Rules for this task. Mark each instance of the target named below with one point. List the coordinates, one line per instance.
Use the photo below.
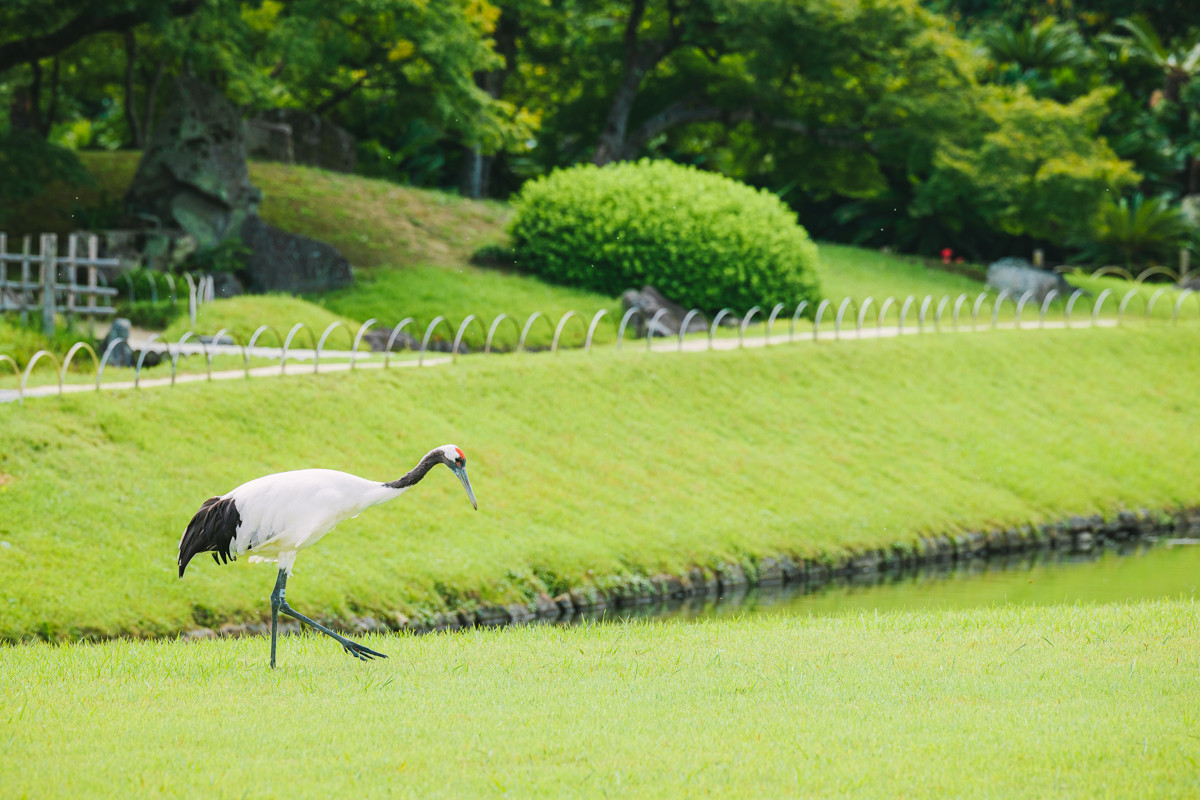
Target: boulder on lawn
(193, 174)
(649, 301)
(1019, 276)
(287, 262)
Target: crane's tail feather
(213, 529)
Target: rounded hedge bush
(703, 240)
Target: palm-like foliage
(1138, 231)
(1045, 46)
(1142, 42)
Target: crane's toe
(361, 652)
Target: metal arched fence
(1005, 310)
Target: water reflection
(1134, 572)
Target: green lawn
(590, 469)
(1060, 701)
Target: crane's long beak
(461, 474)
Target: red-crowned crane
(276, 516)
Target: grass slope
(1089, 701)
(587, 468)
(372, 222)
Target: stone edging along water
(1076, 535)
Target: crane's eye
(462, 462)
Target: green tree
(1026, 167)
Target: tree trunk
(472, 181)
(611, 146)
(131, 117)
(52, 112)
(640, 58)
(35, 97)
(151, 95)
(475, 178)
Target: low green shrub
(150, 314)
(703, 240)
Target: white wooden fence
(47, 282)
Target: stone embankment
(1077, 535)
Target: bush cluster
(703, 240)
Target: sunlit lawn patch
(1083, 701)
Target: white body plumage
(286, 512)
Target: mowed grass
(596, 469)
(1060, 701)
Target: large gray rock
(193, 174)
(122, 353)
(286, 262)
(294, 136)
(269, 141)
(649, 301)
(1018, 276)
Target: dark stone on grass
(287, 262)
(649, 301)
(122, 354)
(1019, 276)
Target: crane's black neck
(414, 475)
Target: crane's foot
(360, 651)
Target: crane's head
(452, 457)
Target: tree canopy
(917, 125)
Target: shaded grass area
(599, 469)
(1086, 701)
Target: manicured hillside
(589, 469)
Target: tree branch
(35, 48)
(340, 95)
(688, 110)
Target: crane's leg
(279, 603)
(276, 603)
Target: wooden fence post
(70, 284)
(93, 253)
(26, 297)
(1185, 261)
(49, 272)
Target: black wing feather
(213, 529)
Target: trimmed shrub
(703, 240)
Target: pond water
(1140, 572)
